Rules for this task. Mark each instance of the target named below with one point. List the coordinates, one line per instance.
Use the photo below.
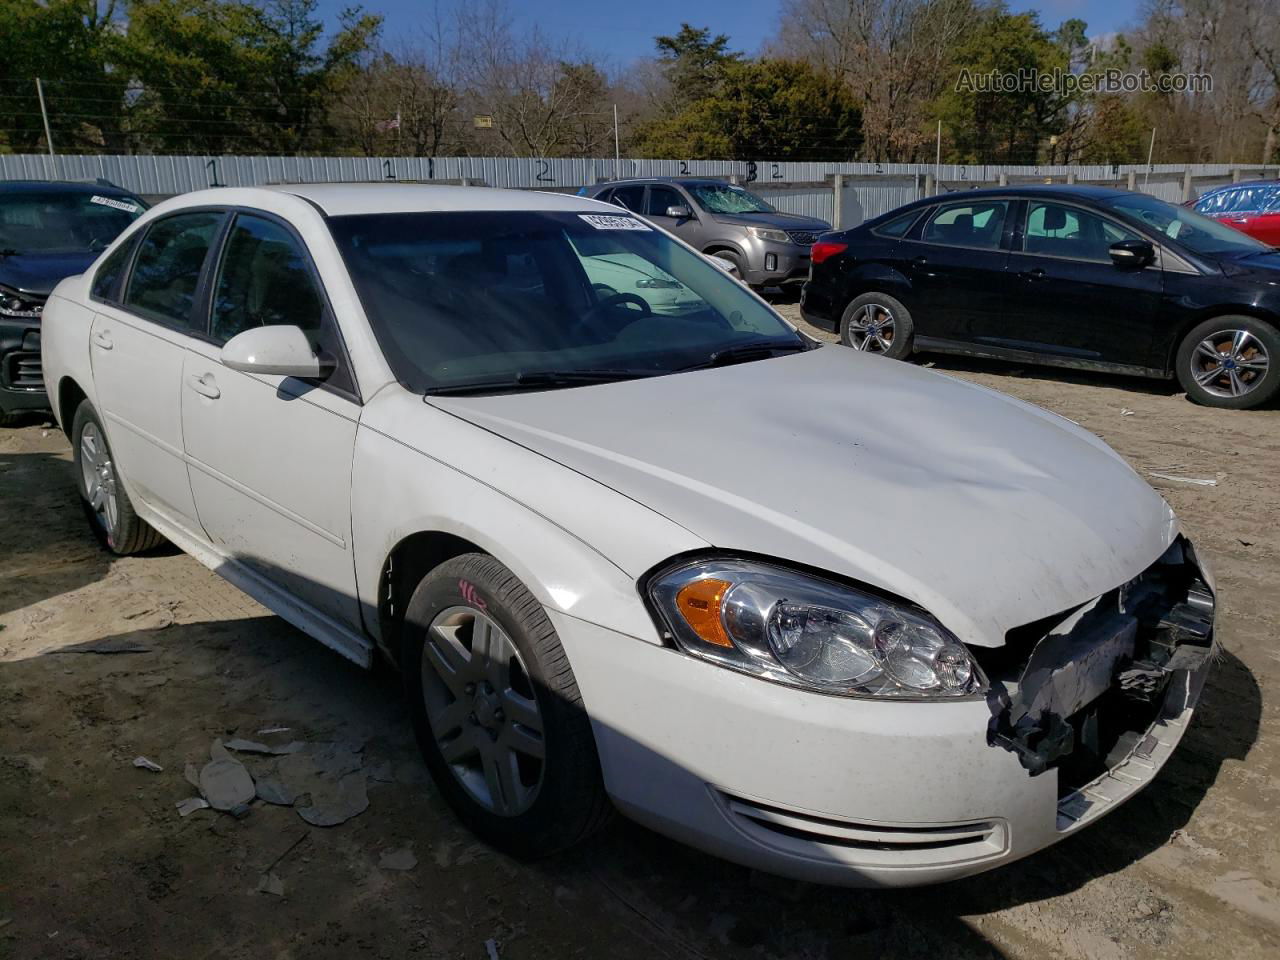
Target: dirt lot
(95, 861)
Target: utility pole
(937, 162)
(1151, 152)
(617, 151)
(48, 137)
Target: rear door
(956, 263)
(1068, 298)
(137, 348)
(270, 456)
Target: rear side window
(632, 198)
(167, 269)
(898, 226)
(968, 224)
(106, 282)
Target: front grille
(23, 371)
(803, 237)
(881, 844)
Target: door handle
(920, 261)
(1035, 273)
(205, 386)
(102, 339)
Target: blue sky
(621, 30)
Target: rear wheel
(106, 505)
(497, 711)
(1231, 362)
(878, 323)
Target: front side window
(728, 199)
(457, 299)
(64, 221)
(660, 198)
(265, 278)
(1195, 231)
(1057, 230)
(968, 224)
(167, 268)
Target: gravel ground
(95, 861)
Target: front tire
(106, 505)
(1231, 362)
(878, 323)
(497, 711)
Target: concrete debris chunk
(1198, 481)
(252, 746)
(383, 773)
(491, 949)
(265, 731)
(402, 859)
(335, 760)
(333, 803)
(271, 790)
(191, 774)
(270, 883)
(142, 763)
(226, 784)
(219, 752)
(191, 805)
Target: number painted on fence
(684, 168)
(543, 169)
(387, 172)
(212, 167)
(751, 171)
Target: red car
(1252, 208)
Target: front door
(270, 457)
(1069, 299)
(662, 198)
(957, 270)
(136, 348)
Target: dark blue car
(48, 231)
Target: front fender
(578, 546)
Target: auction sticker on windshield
(118, 204)
(602, 222)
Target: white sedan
(831, 617)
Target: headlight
(15, 304)
(764, 233)
(797, 629)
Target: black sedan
(48, 231)
(1074, 276)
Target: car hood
(1263, 265)
(40, 273)
(986, 511)
(784, 221)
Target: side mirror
(281, 351)
(1132, 254)
(679, 212)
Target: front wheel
(497, 711)
(878, 323)
(106, 504)
(1226, 362)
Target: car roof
(1242, 183)
(682, 181)
(343, 199)
(63, 186)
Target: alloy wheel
(99, 477)
(483, 711)
(1230, 363)
(872, 328)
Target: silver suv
(766, 247)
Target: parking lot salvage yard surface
(103, 660)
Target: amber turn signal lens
(699, 603)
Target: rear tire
(878, 323)
(106, 505)
(489, 688)
(1231, 362)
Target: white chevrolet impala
(821, 614)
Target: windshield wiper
(536, 379)
(743, 352)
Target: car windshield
(726, 198)
(63, 221)
(470, 299)
(1194, 231)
